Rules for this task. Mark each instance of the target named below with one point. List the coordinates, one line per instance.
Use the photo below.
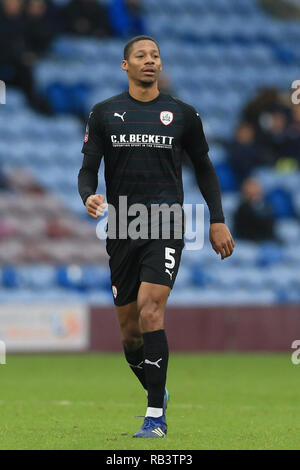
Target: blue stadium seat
(270, 254)
(226, 177)
(15, 98)
(83, 278)
(37, 277)
(98, 297)
(200, 277)
(281, 202)
(288, 230)
(217, 54)
(9, 277)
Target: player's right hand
(95, 205)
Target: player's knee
(151, 314)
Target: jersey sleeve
(93, 149)
(94, 135)
(194, 141)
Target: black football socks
(156, 355)
(135, 359)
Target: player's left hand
(221, 239)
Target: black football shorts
(133, 261)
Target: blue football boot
(153, 428)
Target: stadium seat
(281, 202)
(288, 231)
(217, 54)
(226, 177)
(270, 254)
(83, 278)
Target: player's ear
(124, 65)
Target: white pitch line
(81, 403)
(92, 403)
(174, 405)
(134, 405)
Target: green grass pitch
(218, 401)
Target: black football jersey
(142, 144)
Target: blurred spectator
(254, 219)
(293, 133)
(245, 153)
(275, 130)
(257, 111)
(87, 18)
(126, 17)
(3, 182)
(276, 134)
(17, 58)
(13, 62)
(282, 8)
(40, 27)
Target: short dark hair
(130, 43)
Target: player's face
(144, 63)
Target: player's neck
(143, 94)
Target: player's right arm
(92, 148)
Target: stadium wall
(252, 328)
(81, 328)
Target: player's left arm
(197, 148)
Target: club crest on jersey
(166, 117)
(114, 291)
(86, 137)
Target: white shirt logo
(120, 115)
(166, 117)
